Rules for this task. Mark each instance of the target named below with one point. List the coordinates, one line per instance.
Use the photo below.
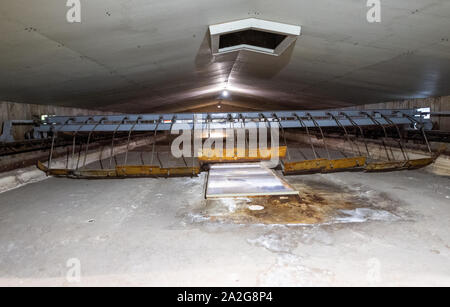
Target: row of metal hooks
(388, 150)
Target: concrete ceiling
(149, 56)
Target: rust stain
(314, 205)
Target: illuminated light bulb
(225, 94)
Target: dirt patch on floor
(318, 202)
(308, 209)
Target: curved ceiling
(148, 56)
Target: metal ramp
(245, 180)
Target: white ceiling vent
(254, 35)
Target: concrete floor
(155, 232)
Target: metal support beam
(285, 119)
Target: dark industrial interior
(239, 143)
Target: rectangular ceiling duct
(252, 34)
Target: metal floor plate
(245, 179)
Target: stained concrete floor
(160, 232)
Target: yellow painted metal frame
(238, 155)
(418, 163)
(402, 165)
(94, 173)
(385, 166)
(398, 165)
(306, 166)
(155, 171)
(356, 163)
(323, 165)
(327, 166)
(345, 163)
(53, 171)
(123, 171)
